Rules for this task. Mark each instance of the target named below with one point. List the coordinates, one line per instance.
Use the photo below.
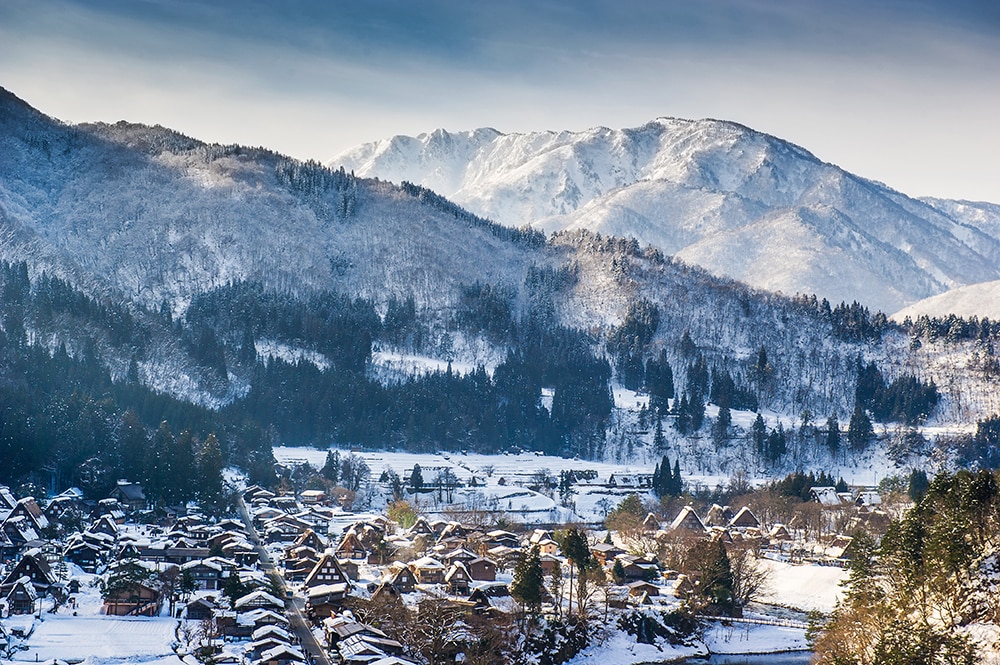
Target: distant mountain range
(738, 202)
(143, 217)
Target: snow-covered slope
(741, 203)
(981, 300)
(156, 215)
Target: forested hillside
(225, 290)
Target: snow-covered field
(94, 638)
(500, 481)
(803, 587)
(102, 640)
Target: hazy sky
(906, 92)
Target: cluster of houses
(210, 570)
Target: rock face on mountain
(738, 202)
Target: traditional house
(339, 627)
(868, 498)
(500, 537)
(399, 576)
(639, 569)
(309, 538)
(21, 597)
(27, 507)
(744, 519)
(482, 569)
(492, 599)
(719, 515)
(262, 616)
(208, 574)
(457, 578)
(421, 528)
(258, 647)
(688, 522)
(651, 523)
(130, 495)
(779, 533)
(136, 599)
(105, 524)
(83, 553)
(327, 571)
(19, 531)
(641, 587)
(605, 553)
(281, 655)
(312, 497)
(35, 567)
(350, 547)
(459, 554)
(200, 609)
(826, 496)
(549, 563)
(428, 570)
(7, 500)
(259, 600)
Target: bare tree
(750, 577)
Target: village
(295, 577)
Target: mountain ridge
(696, 189)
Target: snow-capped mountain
(736, 201)
(143, 215)
(158, 216)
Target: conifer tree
(859, 431)
(759, 433)
(416, 478)
(683, 420)
(832, 433)
(526, 588)
(720, 428)
(331, 467)
(209, 484)
(676, 484)
(659, 441)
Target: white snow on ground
(747, 638)
(738, 638)
(500, 480)
(803, 587)
(413, 364)
(622, 649)
(102, 639)
(290, 354)
(94, 638)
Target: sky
(906, 92)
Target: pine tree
(416, 478)
(776, 443)
(683, 420)
(832, 433)
(618, 572)
(759, 433)
(526, 588)
(676, 483)
(209, 484)
(720, 428)
(659, 441)
(331, 467)
(859, 431)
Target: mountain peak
(740, 202)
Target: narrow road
(294, 605)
